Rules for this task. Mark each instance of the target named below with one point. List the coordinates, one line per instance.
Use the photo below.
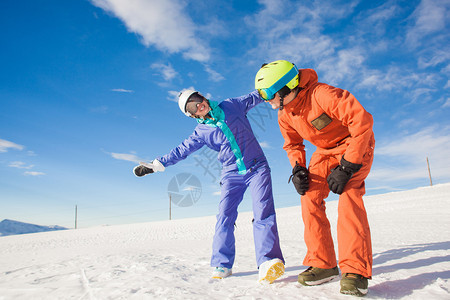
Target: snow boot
(354, 284)
(315, 276)
(221, 272)
(270, 270)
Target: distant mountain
(11, 227)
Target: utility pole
(429, 172)
(170, 207)
(76, 216)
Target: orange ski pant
(353, 232)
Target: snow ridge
(11, 227)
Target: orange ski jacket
(328, 117)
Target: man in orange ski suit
(341, 129)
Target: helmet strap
(283, 93)
(286, 91)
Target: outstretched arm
(249, 101)
(187, 147)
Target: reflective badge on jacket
(321, 122)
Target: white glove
(148, 168)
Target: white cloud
(5, 145)
(122, 91)
(31, 153)
(447, 85)
(447, 103)
(393, 79)
(20, 165)
(215, 76)
(380, 15)
(100, 109)
(446, 71)
(416, 87)
(436, 57)
(372, 25)
(348, 62)
(390, 175)
(300, 29)
(417, 144)
(412, 150)
(173, 96)
(167, 71)
(406, 123)
(302, 49)
(421, 94)
(33, 173)
(301, 37)
(430, 17)
(163, 24)
(264, 145)
(126, 156)
(342, 66)
(375, 78)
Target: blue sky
(88, 88)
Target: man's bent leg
(354, 240)
(317, 236)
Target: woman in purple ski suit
(224, 127)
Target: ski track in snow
(170, 259)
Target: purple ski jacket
(228, 132)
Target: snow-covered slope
(11, 227)
(170, 259)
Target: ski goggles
(192, 105)
(269, 93)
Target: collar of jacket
(216, 114)
(308, 77)
(218, 120)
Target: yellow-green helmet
(273, 76)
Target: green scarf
(218, 120)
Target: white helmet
(182, 100)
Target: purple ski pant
(265, 232)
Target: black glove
(340, 175)
(145, 168)
(300, 178)
(141, 170)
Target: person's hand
(300, 179)
(339, 176)
(148, 168)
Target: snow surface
(170, 259)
